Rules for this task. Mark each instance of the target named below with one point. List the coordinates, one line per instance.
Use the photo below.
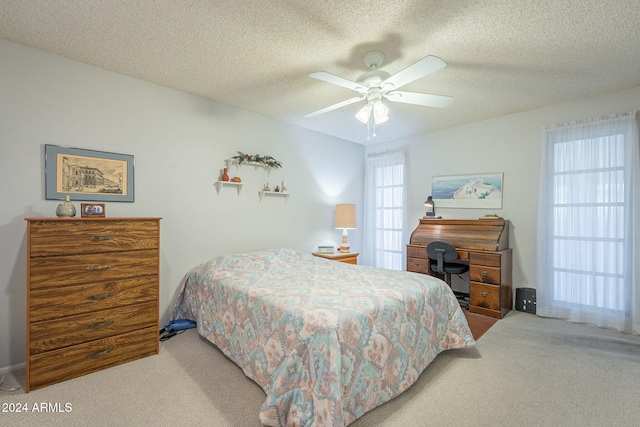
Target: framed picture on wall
(482, 190)
(88, 175)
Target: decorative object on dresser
(348, 257)
(484, 244)
(92, 295)
(345, 219)
(88, 175)
(92, 210)
(66, 209)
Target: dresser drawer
(86, 236)
(486, 296)
(59, 365)
(418, 265)
(51, 303)
(483, 258)
(91, 268)
(72, 330)
(481, 273)
(417, 251)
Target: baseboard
(13, 368)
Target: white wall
(510, 144)
(179, 142)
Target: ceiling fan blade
(413, 72)
(333, 107)
(336, 80)
(424, 99)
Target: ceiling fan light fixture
(380, 112)
(364, 114)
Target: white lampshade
(345, 216)
(364, 114)
(345, 219)
(380, 112)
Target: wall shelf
(274, 194)
(255, 165)
(220, 184)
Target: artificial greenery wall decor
(257, 158)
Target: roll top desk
(484, 245)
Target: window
(385, 214)
(586, 239)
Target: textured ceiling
(503, 56)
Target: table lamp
(431, 208)
(345, 219)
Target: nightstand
(349, 257)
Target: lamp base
(345, 248)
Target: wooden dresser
(484, 245)
(92, 296)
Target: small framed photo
(92, 210)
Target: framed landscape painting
(483, 191)
(88, 175)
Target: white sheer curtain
(588, 265)
(384, 213)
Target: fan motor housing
(373, 78)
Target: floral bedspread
(327, 341)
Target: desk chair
(442, 255)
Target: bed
(326, 341)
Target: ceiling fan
(377, 84)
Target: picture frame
(88, 175)
(481, 191)
(92, 210)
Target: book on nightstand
(325, 249)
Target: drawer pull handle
(484, 274)
(99, 267)
(484, 294)
(100, 353)
(101, 324)
(100, 238)
(103, 296)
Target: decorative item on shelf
(267, 161)
(266, 187)
(284, 186)
(277, 189)
(66, 209)
(236, 179)
(225, 175)
(345, 219)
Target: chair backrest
(441, 252)
(447, 250)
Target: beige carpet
(524, 371)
